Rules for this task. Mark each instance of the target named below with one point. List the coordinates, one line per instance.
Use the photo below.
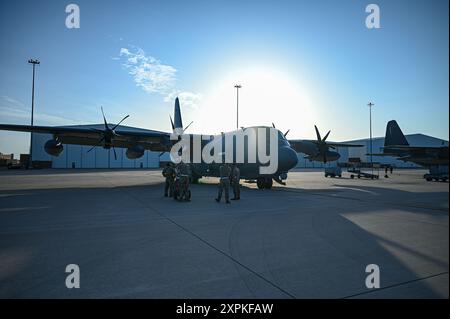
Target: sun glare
(266, 96)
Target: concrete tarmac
(312, 238)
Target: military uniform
(235, 178)
(169, 173)
(224, 184)
(184, 173)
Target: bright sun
(266, 96)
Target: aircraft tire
(260, 182)
(195, 179)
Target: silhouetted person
(224, 184)
(169, 173)
(235, 179)
(184, 175)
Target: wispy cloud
(153, 76)
(14, 110)
(187, 99)
(10, 101)
(148, 72)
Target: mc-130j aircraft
(136, 142)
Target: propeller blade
(120, 122)
(115, 155)
(286, 132)
(99, 142)
(171, 122)
(325, 138)
(91, 148)
(187, 126)
(104, 118)
(318, 134)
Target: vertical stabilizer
(178, 123)
(394, 135)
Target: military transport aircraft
(136, 142)
(396, 145)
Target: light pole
(370, 120)
(33, 62)
(237, 86)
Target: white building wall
(38, 151)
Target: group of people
(178, 176)
(177, 181)
(229, 177)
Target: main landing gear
(264, 182)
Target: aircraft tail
(394, 135)
(178, 123)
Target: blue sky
(300, 63)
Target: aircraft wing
(343, 144)
(408, 148)
(86, 135)
(297, 144)
(381, 154)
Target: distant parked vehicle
(14, 166)
(333, 172)
(437, 173)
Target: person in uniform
(169, 173)
(224, 184)
(184, 172)
(235, 178)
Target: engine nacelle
(53, 147)
(135, 152)
(333, 156)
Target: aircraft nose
(288, 159)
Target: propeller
(322, 144)
(173, 125)
(107, 134)
(285, 134)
